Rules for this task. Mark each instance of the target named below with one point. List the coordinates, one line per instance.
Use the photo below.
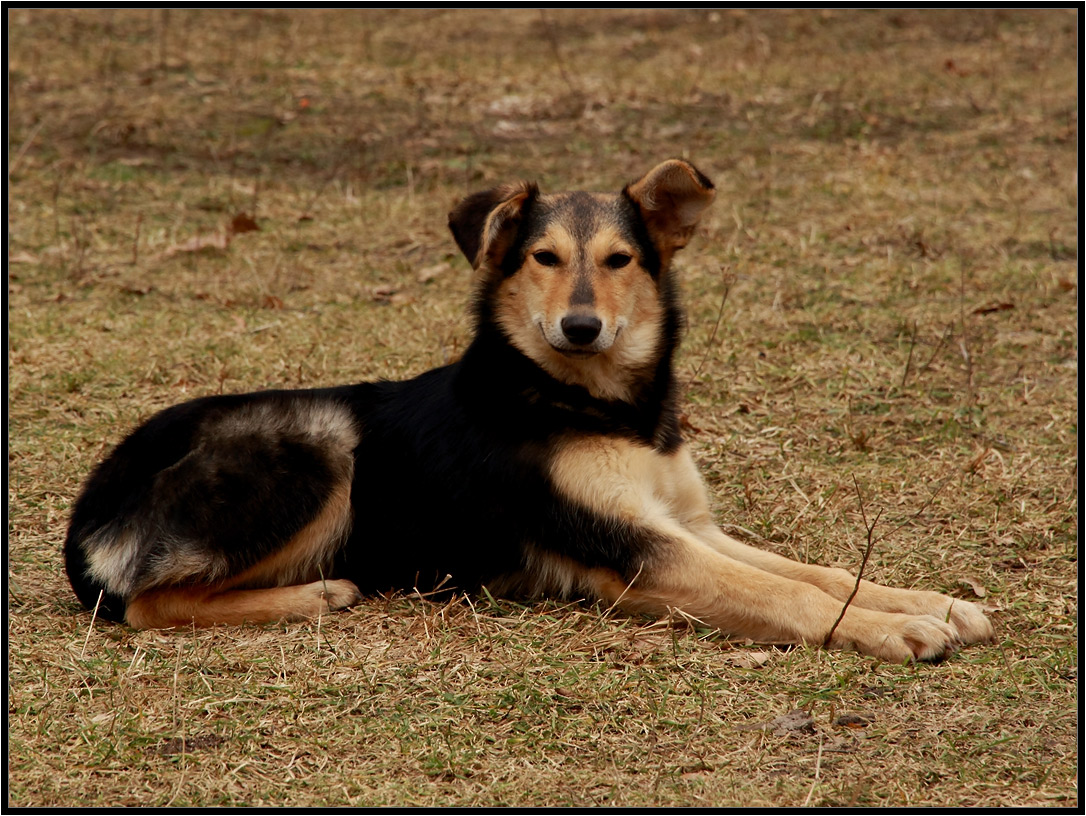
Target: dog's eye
(618, 260)
(545, 258)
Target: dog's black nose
(581, 329)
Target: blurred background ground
(206, 201)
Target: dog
(547, 461)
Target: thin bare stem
(871, 542)
(909, 361)
(817, 773)
(136, 241)
(964, 342)
(863, 564)
(622, 594)
(91, 627)
(728, 279)
(949, 330)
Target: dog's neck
(507, 387)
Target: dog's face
(577, 281)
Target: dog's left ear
(485, 224)
(672, 197)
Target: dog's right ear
(485, 224)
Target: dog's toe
(928, 638)
(970, 623)
(339, 594)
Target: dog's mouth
(572, 351)
(575, 354)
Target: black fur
(450, 478)
(237, 500)
(451, 470)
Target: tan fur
(308, 556)
(184, 562)
(205, 606)
(732, 586)
(326, 423)
(112, 557)
(532, 303)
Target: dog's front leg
(653, 561)
(681, 484)
(968, 621)
(681, 573)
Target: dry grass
(898, 196)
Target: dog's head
(579, 282)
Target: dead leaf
(242, 222)
(182, 745)
(992, 308)
(952, 67)
(798, 721)
(794, 722)
(975, 585)
(429, 273)
(698, 771)
(852, 721)
(687, 425)
(137, 289)
(272, 302)
(22, 258)
(748, 660)
(383, 293)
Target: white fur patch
(112, 557)
(328, 423)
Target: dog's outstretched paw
(970, 623)
(896, 638)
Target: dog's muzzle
(578, 334)
(581, 330)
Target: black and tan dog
(547, 461)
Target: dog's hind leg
(281, 586)
(216, 497)
(202, 606)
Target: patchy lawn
(206, 201)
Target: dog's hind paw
(330, 596)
